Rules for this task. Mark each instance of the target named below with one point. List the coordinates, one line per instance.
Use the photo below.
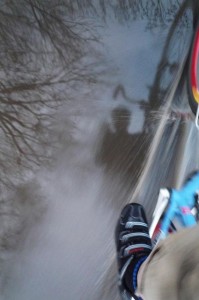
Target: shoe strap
(136, 248)
(127, 236)
(131, 224)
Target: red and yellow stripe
(194, 65)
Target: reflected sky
(135, 51)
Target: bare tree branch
(42, 58)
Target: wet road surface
(123, 147)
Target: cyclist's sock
(130, 277)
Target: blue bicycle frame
(181, 203)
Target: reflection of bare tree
(19, 210)
(42, 51)
(155, 12)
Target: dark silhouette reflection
(122, 153)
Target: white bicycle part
(163, 199)
(197, 118)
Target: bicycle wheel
(174, 55)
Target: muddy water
(123, 146)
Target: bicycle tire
(169, 51)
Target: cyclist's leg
(172, 271)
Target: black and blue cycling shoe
(133, 246)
